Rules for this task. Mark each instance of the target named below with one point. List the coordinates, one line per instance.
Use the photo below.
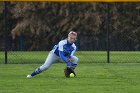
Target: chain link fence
(107, 32)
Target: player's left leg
(74, 61)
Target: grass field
(84, 57)
(91, 78)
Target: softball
(71, 75)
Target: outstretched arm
(64, 59)
(62, 56)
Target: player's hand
(69, 59)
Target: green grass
(91, 78)
(84, 56)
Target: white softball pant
(52, 57)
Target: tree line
(40, 25)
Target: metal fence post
(5, 30)
(108, 30)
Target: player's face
(71, 38)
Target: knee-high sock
(37, 71)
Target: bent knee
(75, 59)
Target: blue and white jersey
(64, 46)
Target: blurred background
(107, 32)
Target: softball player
(64, 51)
